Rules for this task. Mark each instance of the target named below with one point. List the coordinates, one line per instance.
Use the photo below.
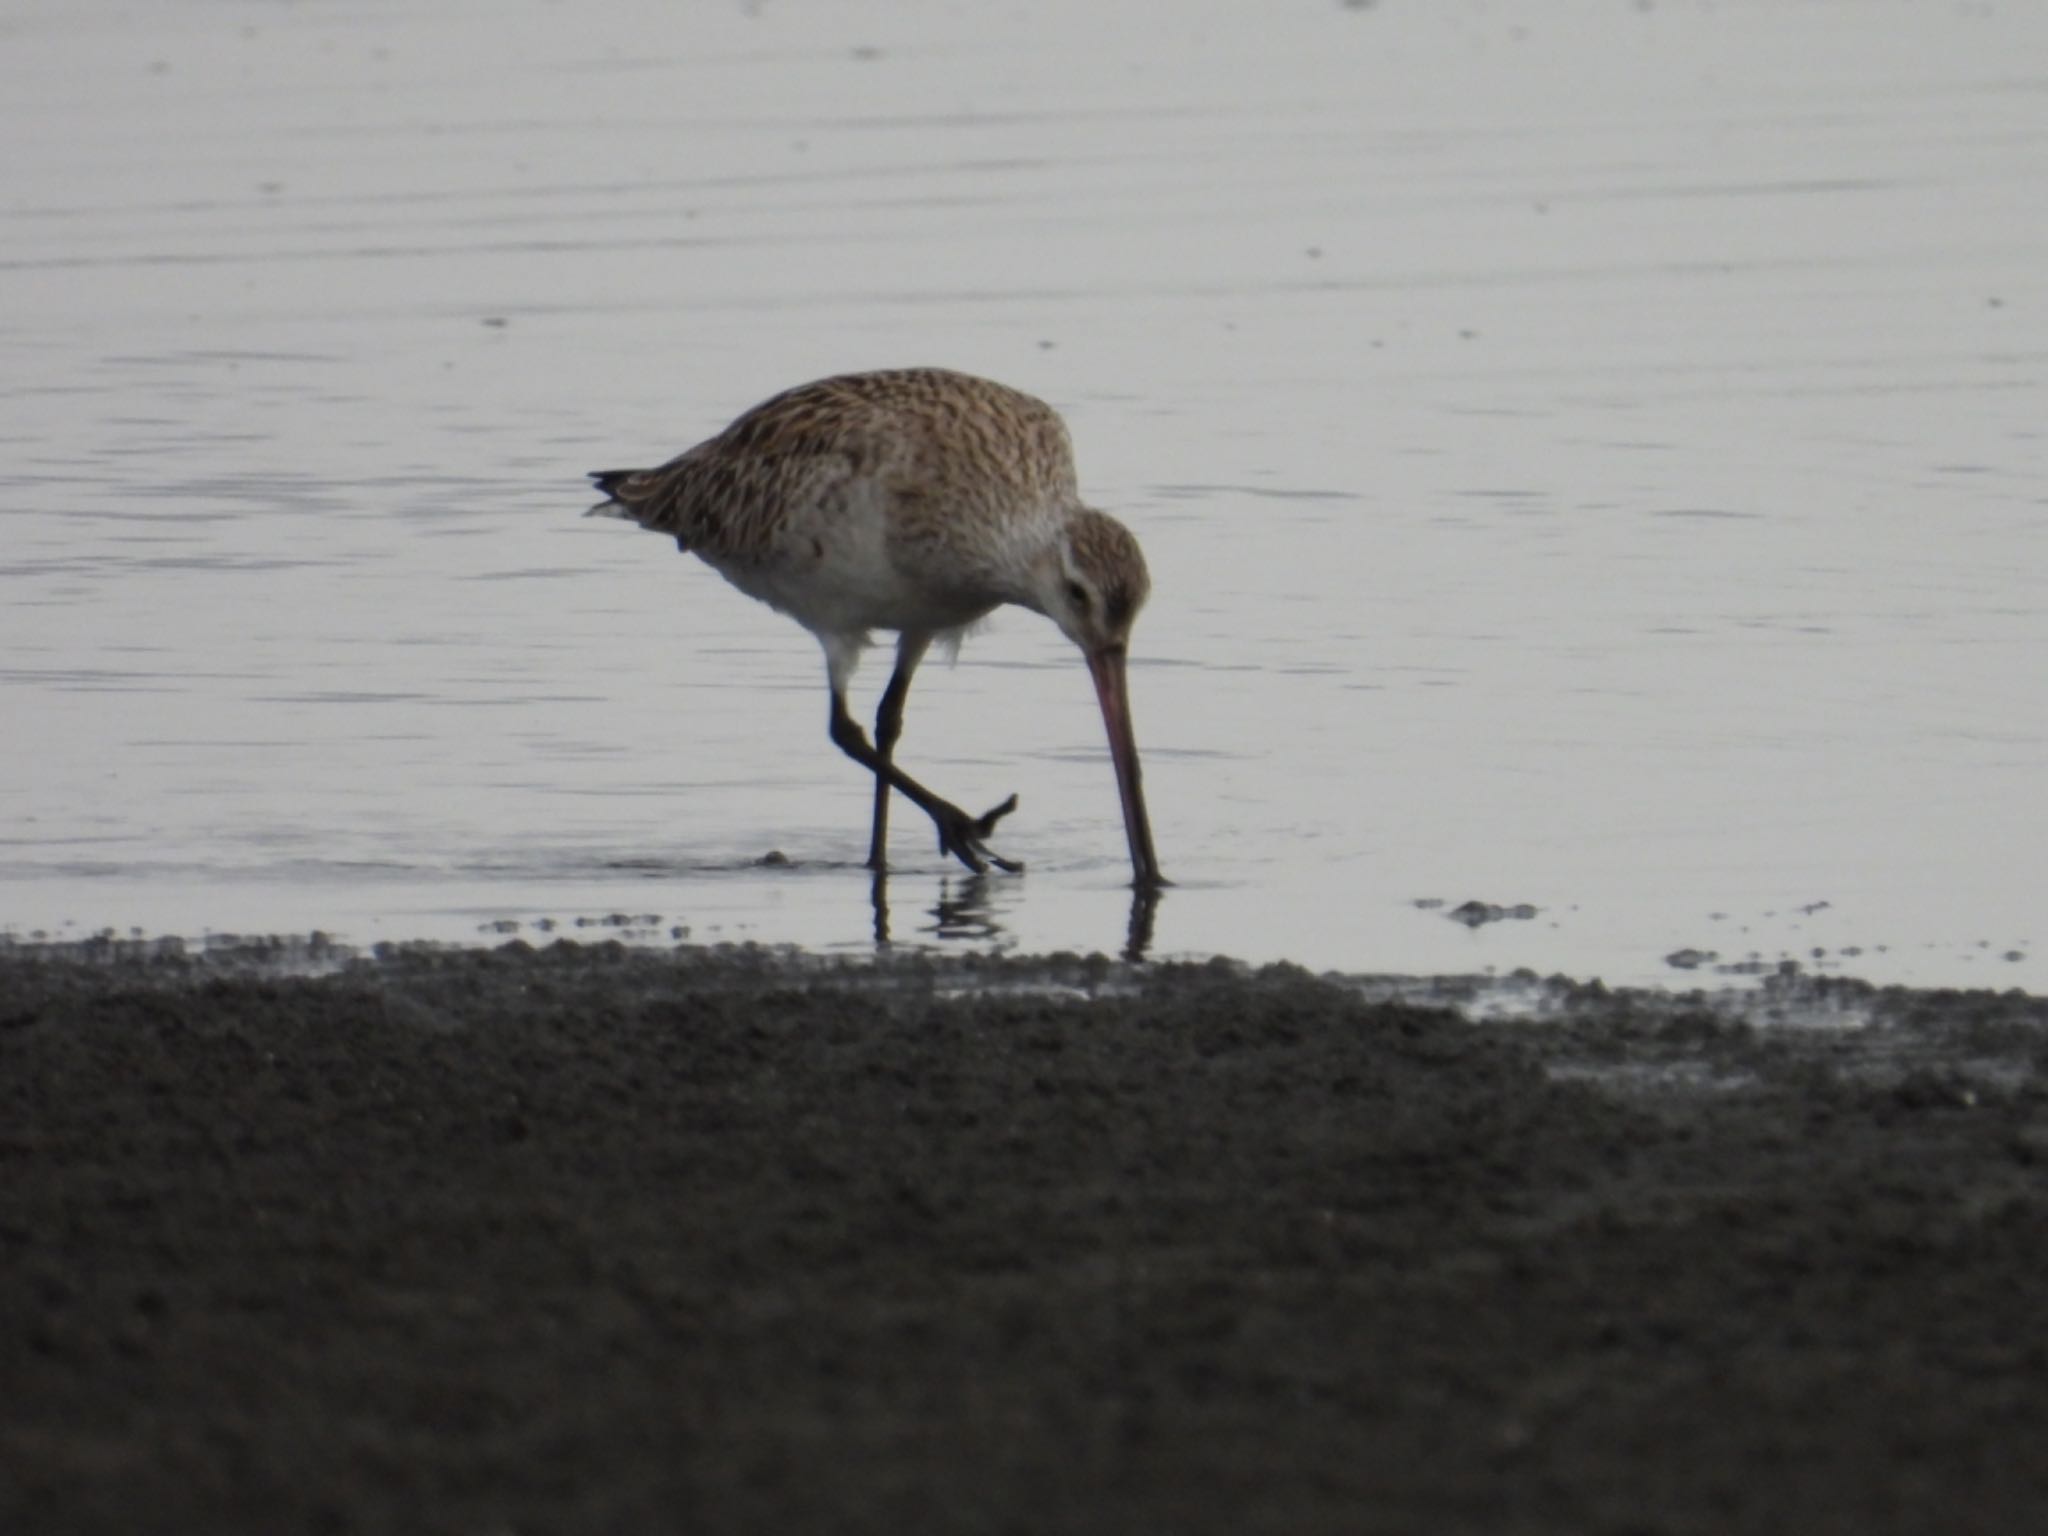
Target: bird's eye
(1078, 596)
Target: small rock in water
(1690, 959)
(1476, 914)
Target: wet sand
(597, 1239)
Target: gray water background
(1589, 455)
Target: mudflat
(594, 1238)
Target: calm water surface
(1591, 460)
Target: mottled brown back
(949, 448)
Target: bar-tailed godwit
(916, 500)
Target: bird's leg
(910, 649)
(878, 898)
(961, 835)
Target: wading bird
(916, 500)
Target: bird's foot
(966, 837)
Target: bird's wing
(728, 504)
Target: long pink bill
(1107, 668)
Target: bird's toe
(964, 837)
(986, 822)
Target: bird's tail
(612, 482)
(643, 496)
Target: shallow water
(1591, 461)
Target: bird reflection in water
(964, 911)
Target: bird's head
(1095, 582)
(1092, 584)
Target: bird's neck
(1026, 565)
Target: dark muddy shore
(593, 1239)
